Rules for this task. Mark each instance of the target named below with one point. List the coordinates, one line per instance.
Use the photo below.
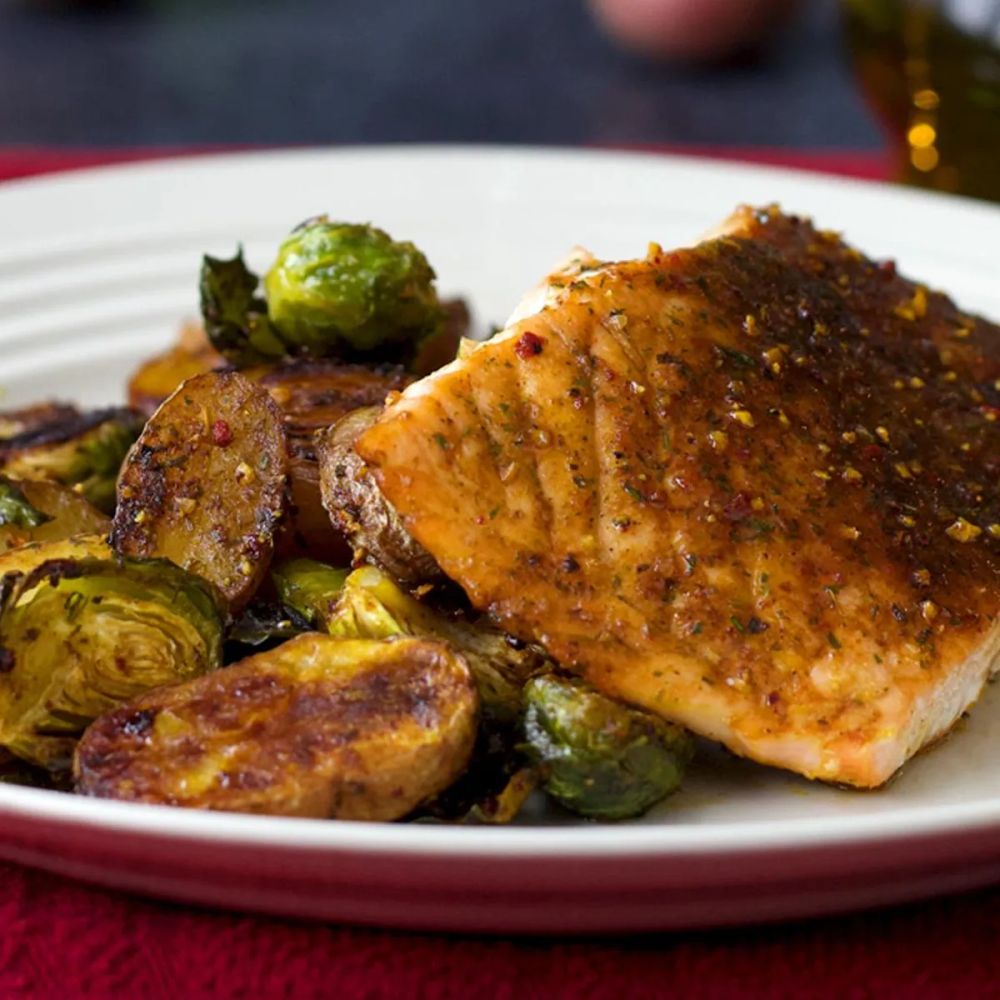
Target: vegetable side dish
(747, 490)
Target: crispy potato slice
(64, 513)
(313, 395)
(320, 727)
(204, 486)
(157, 377)
(357, 507)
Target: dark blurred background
(187, 72)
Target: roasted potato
(312, 395)
(79, 636)
(598, 757)
(60, 443)
(35, 510)
(204, 486)
(159, 376)
(317, 727)
(357, 507)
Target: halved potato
(204, 486)
(356, 506)
(321, 727)
(313, 395)
(158, 376)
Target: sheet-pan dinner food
(335, 559)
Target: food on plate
(83, 450)
(204, 486)
(336, 289)
(359, 509)
(321, 727)
(37, 510)
(751, 486)
(80, 634)
(370, 605)
(310, 588)
(598, 757)
(312, 395)
(748, 489)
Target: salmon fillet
(751, 485)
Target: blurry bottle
(931, 68)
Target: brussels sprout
(596, 756)
(235, 318)
(263, 624)
(372, 606)
(337, 287)
(504, 806)
(35, 510)
(317, 727)
(310, 588)
(80, 636)
(82, 450)
(357, 507)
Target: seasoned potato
(62, 444)
(157, 377)
(356, 505)
(36, 510)
(313, 395)
(204, 486)
(79, 636)
(321, 727)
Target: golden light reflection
(921, 135)
(926, 99)
(924, 158)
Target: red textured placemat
(59, 939)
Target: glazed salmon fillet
(751, 486)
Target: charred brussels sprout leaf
(81, 636)
(310, 588)
(317, 727)
(372, 606)
(81, 450)
(596, 756)
(264, 624)
(235, 318)
(15, 510)
(339, 288)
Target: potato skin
(357, 507)
(312, 395)
(204, 486)
(319, 727)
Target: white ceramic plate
(97, 268)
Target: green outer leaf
(15, 509)
(598, 757)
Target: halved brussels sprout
(81, 450)
(372, 606)
(204, 485)
(598, 757)
(35, 510)
(357, 507)
(309, 587)
(80, 636)
(317, 727)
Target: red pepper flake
(528, 345)
(738, 508)
(887, 268)
(222, 434)
(871, 451)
